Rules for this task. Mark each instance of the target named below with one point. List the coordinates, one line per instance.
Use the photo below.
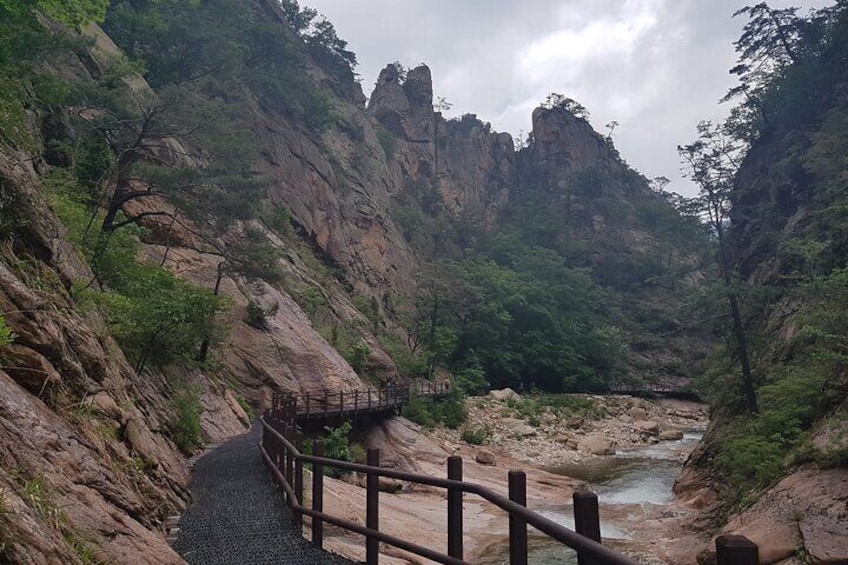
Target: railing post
(517, 524)
(369, 397)
(355, 401)
(455, 508)
(317, 495)
(280, 452)
(372, 507)
(307, 404)
(587, 521)
(289, 470)
(736, 550)
(298, 476)
(341, 402)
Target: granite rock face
(808, 509)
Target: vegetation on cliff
(782, 227)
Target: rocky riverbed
(582, 428)
(562, 447)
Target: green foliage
(475, 436)
(227, 47)
(37, 496)
(256, 315)
(72, 12)
(245, 405)
(750, 460)
(470, 379)
(277, 218)
(556, 100)
(805, 384)
(430, 412)
(81, 547)
(357, 356)
(533, 407)
(156, 317)
(6, 334)
(24, 43)
(527, 321)
(409, 363)
(184, 426)
(387, 142)
(337, 445)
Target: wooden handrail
(523, 517)
(287, 451)
(291, 407)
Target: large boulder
(597, 445)
(670, 435)
(485, 457)
(519, 428)
(503, 394)
(647, 427)
(567, 440)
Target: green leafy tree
(712, 162)
(557, 100)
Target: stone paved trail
(238, 516)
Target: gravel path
(238, 516)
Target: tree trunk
(203, 354)
(738, 328)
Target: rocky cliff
(784, 466)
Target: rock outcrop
(804, 517)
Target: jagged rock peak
(419, 87)
(405, 109)
(560, 135)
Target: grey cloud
(673, 77)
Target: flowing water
(631, 479)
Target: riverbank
(545, 437)
(551, 431)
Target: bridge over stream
(239, 516)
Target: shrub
(357, 356)
(337, 445)
(256, 316)
(388, 142)
(6, 335)
(475, 436)
(420, 411)
(430, 412)
(184, 426)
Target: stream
(628, 484)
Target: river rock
(519, 427)
(638, 414)
(567, 440)
(485, 457)
(647, 427)
(670, 435)
(575, 423)
(503, 394)
(597, 445)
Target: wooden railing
(294, 408)
(651, 389)
(282, 449)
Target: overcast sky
(655, 66)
